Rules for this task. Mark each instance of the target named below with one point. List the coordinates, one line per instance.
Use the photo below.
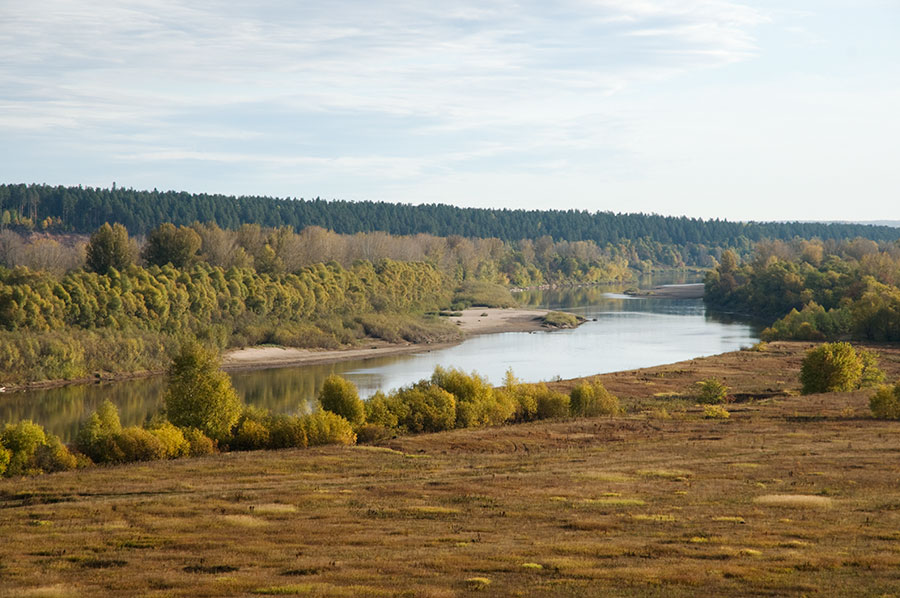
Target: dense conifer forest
(83, 209)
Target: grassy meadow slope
(790, 496)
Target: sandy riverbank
(471, 322)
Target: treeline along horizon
(83, 209)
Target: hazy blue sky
(712, 108)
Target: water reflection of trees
(61, 410)
(721, 317)
(567, 298)
(289, 390)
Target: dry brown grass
(629, 506)
(799, 501)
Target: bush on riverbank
(25, 449)
(838, 367)
(449, 399)
(340, 396)
(591, 399)
(199, 394)
(885, 403)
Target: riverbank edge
(635, 275)
(472, 322)
(693, 290)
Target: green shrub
(325, 427)
(341, 397)
(172, 439)
(424, 407)
(5, 455)
(551, 404)
(199, 395)
(592, 399)
(381, 411)
(54, 456)
(96, 436)
(834, 367)
(715, 412)
(23, 437)
(286, 432)
(812, 323)
(198, 443)
(249, 435)
(885, 403)
(138, 444)
(526, 405)
(522, 397)
(871, 373)
(22, 441)
(370, 433)
(476, 402)
(103, 439)
(712, 391)
(25, 449)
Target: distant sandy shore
(490, 320)
(473, 321)
(672, 291)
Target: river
(621, 333)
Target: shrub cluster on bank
(204, 415)
(839, 367)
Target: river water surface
(621, 333)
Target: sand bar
(478, 320)
(672, 291)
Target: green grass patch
(653, 517)
(480, 293)
(677, 475)
(560, 319)
(613, 501)
(604, 476)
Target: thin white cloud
(513, 83)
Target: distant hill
(83, 209)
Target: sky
(766, 110)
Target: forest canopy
(811, 290)
(84, 209)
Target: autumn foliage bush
(885, 403)
(590, 399)
(26, 449)
(838, 367)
